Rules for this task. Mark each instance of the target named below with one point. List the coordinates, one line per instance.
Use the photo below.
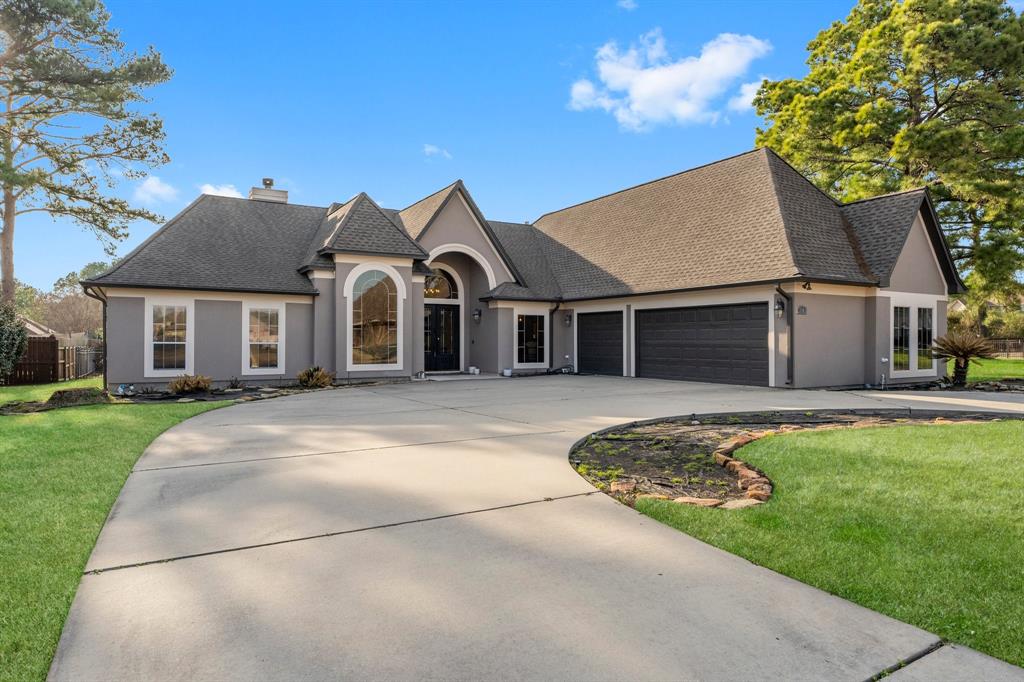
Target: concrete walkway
(436, 531)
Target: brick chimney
(268, 193)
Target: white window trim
(600, 309)
(350, 283)
(544, 313)
(190, 336)
(912, 301)
(280, 307)
(459, 301)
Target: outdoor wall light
(780, 308)
(477, 313)
(568, 319)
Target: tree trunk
(7, 248)
(960, 372)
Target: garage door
(726, 344)
(600, 343)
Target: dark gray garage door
(600, 343)
(726, 344)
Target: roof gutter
(789, 331)
(118, 285)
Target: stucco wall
(916, 269)
(218, 338)
(299, 340)
(125, 340)
(323, 324)
(828, 340)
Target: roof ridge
(923, 188)
(778, 206)
(269, 203)
(802, 176)
(649, 182)
(392, 222)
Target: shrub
(187, 383)
(13, 340)
(235, 382)
(315, 377)
(962, 348)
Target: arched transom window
(440, 284)
(374, 319)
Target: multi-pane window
(530, 339)
(924, 338)
(264, 336)
(374, 320)
(170, 324)
(900, 338)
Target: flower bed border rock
(756, 486)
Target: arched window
(374, 320)
(440, 284)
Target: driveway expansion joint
(913, 658)
(319, 536)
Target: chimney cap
(268, 183)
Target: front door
(441, 337)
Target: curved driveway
(435, 530)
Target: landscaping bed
(692, 459)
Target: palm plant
(962, 348)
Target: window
(263, 338)
(900, 338)
(530, 339)
(374, 320)
(440, 284)
(924, 338)
(170, 326)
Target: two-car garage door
(725, 344)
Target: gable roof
(223, 244)
(419, 217)
(360, 226)
(882, 225)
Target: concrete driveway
(435, 530)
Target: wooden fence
(45, 362)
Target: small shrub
(235, 382)
(187, 383)
(76, 396)
(13, 340)
(315, 377)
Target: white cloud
(628, 5)
(153, 190)
(434, 150)
(220, 190)
(743, 101)
(642, 87)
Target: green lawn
(41, 392)
(60, 472)
(993, 370)
(923, 523)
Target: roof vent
(268, 193)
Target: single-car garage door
(726, 344)
(600, 343)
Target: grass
(923, 523)
(993, 370)
(41, 392)
(60, 472)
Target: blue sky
(535, 106)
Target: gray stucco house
(740, 271)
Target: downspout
(789, 333)
(92, 293)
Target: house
(740, 271)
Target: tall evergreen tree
(70, 127)
(913, 93)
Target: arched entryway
(477, 324)
(443, 320)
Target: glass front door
(441, 337)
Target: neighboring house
(740, 271)
(37, 329)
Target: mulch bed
(675, 458)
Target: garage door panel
(599, 336)
(721, 344)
